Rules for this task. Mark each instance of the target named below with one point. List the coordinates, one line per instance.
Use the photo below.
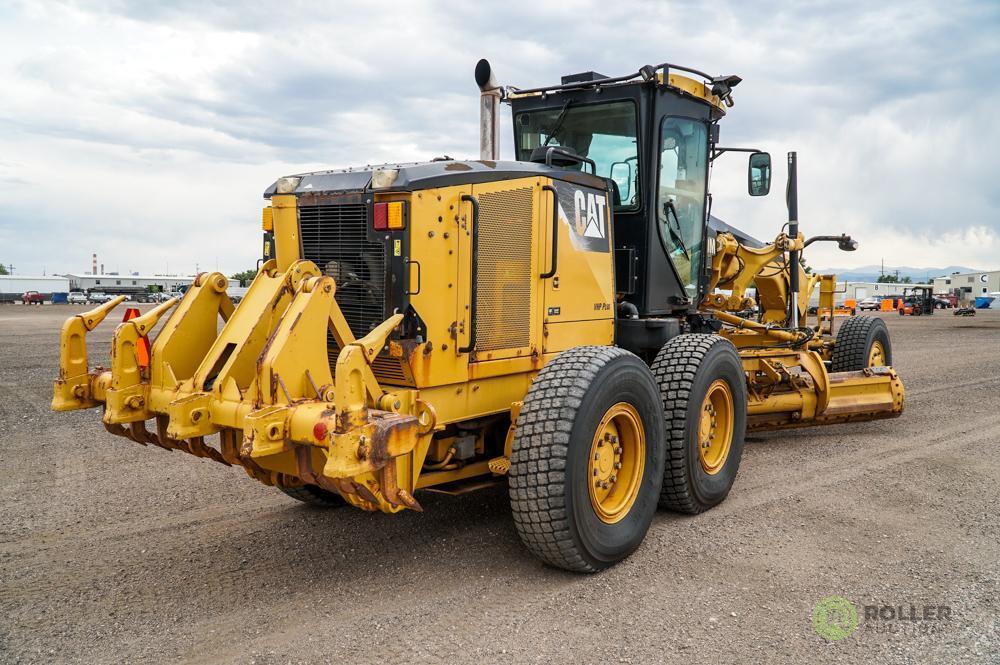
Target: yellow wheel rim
(715, 427)
(876, 356)
(617, 459)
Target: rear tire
(314, 496)
(698, 374)
(862, 341)
(592, 414)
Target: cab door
(577, 271)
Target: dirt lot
(110, 552)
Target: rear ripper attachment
(262, 383)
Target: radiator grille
(334, 237)
(503, 279)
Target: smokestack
(93, 271)
(102, 268)
(489, 109)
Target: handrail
(555, 233)
(475, 269)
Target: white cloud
(147, 131)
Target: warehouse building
(970, 285)
(127, 284)
(12, 287)
(858, 291)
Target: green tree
(887, 279)
(245, 277)
(906, 280)
(3, 269)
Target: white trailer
(12, 287)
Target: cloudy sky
(147, 131)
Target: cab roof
(716, 91)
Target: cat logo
(589, 221)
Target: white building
(858, 291)
(12, 287)
(967, 286)
(111, 283)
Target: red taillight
(381, 221)
(389, 216)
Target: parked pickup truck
(32, 298)
(97, 297)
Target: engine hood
(424, 175)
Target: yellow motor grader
(575, 323)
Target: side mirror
(759, 174)
(621, 173)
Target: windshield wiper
(558, 123)
(668, 208)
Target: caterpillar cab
(574, 323)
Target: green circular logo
(834, 618)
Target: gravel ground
(110, 552)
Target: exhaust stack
(489, 109)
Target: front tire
(862, 341)
(704, 396)
(587, 459)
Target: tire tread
(537, 476)
(314, 496)
(850, 353)
(674, 369)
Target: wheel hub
(876, 356)
(715, 427)
(617, 458)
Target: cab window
(604, 132)
(680, 206)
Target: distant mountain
(871, 273)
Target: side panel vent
(503, 279)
